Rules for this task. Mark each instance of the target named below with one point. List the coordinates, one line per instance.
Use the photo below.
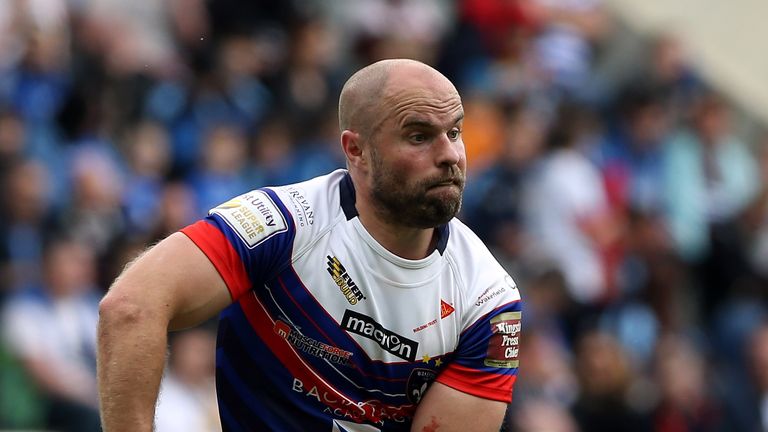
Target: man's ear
(351, 144)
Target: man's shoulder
(486, 285)
(462, 240)
(312, 203)
(472, 256)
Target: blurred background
(618, 164)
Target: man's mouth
(448, 182)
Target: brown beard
(411, 205)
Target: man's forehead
(428, 118)
(425, 107)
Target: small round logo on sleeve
(504, 343)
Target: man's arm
(171, 286)
(445, 409)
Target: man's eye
(454, 134)
(418, 138)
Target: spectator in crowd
(630, 158)
(148, 154)
(273, 154)
(687, 403)
(94, 214)
(26, 216)
(51, 328)
(496, 197)
(747, 384)
(709, 177)
(605, 376)
(567, 30)
(220, 174)
(382, 28)
(12, 137)
(568, 213)
(187, 399)
(755, 223)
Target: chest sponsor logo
(418, 383)
(372, 410)
(423, 326)
(253, 216)
(345, 283)
(305, 215)
(445, 309)
(311, 346)
(393, 343)
(504, 344)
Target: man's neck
(405, 242)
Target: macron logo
(392, 342)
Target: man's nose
(449, 152)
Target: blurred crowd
(623, 200)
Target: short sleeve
(486, 360)
(248, 239)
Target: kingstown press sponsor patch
(503, 347)
(253, 216)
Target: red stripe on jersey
(478, 383)
(220, 252)
(312, 383)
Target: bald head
(360, 102)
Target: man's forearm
(131, 356)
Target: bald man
(354, 301)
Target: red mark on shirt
(432, 427)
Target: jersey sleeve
(485, 362)
(249, 239)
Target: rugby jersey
(329, 331)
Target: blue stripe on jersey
(293, 298)
(228, 422)
(473, 342)
(291, 406)
(240, 366)
(270, 410)
(357, 384)
(236, 398)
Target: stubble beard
(415, 205)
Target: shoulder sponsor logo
(393, 343)
(311, 346)
(253, 216)
(494, 291)
(504, 344)
(445, 309)
(489, 294)
(418, 383)
(342, 279)
(305, 215)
